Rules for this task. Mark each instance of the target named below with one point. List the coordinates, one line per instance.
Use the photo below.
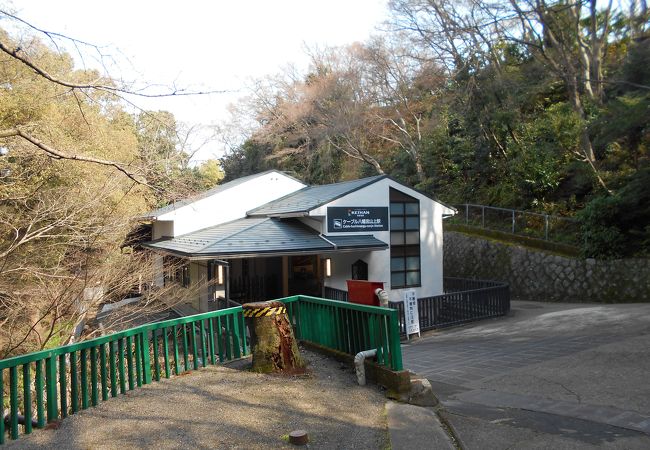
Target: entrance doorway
(304, 275)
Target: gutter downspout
(359, 360)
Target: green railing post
(27, 398)
(177, 366)
(130, 370)
(146, 359)
(240, 317)
(120, 366)
(395, 344)
(103, 371)
(55, 373)
(63, 385)
(112, 368)
(138, 363)
(38, 382)
(50, 387)
(94, 397)
(13, 401)
(236, 337)
(74, 383)
(165, 338)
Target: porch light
(220, 274)
(328, 267)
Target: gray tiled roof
(259, 235)
(311, 197)
(215, 190)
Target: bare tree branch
(54, 153)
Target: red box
(363, 292)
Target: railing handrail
(375, 326)
(499, 208)
(62, 350)
(342, 304)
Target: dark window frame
(405, 249)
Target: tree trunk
(272, 339)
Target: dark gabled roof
(257, 236)
(311, 197)
(215, 190)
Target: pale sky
(205, 45)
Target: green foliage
(208, 174)
(618, 226)
(247, 159)
(63, 220)
(484, 121)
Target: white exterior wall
(227, 205)
(377, 194)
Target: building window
(360, 270)
(404, 240)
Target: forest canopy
(532, 105)
(77, 166)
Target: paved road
(572, 375)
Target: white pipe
(383, 297)
(359, 364)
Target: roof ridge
(364, 182)
(277, 200)
(176, 204)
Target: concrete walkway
(226, 407)
(549, 375)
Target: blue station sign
(357, 218)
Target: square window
(411, 208)
(396, 238)
(412, 223)
(412, 278)
(397, 209)
(396, 223)
(396, 264)
(412, 238)
(413, 263)
(397, 279)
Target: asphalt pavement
(548, 375)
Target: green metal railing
(347, 327)
(51, 384)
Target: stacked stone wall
(538, 275)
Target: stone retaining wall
(537, 275)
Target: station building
(268, 236)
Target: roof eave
(210, 256)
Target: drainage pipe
(382, 295)
(359, 360)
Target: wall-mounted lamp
(328, 267)
(220, 274)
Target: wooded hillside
(76, 168)
(532, 105)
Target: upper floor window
(404, 240)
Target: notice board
(357, 218)
(411, 313)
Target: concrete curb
(412, 427)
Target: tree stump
(272, 339)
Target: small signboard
(357, 218)
(411, 313)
